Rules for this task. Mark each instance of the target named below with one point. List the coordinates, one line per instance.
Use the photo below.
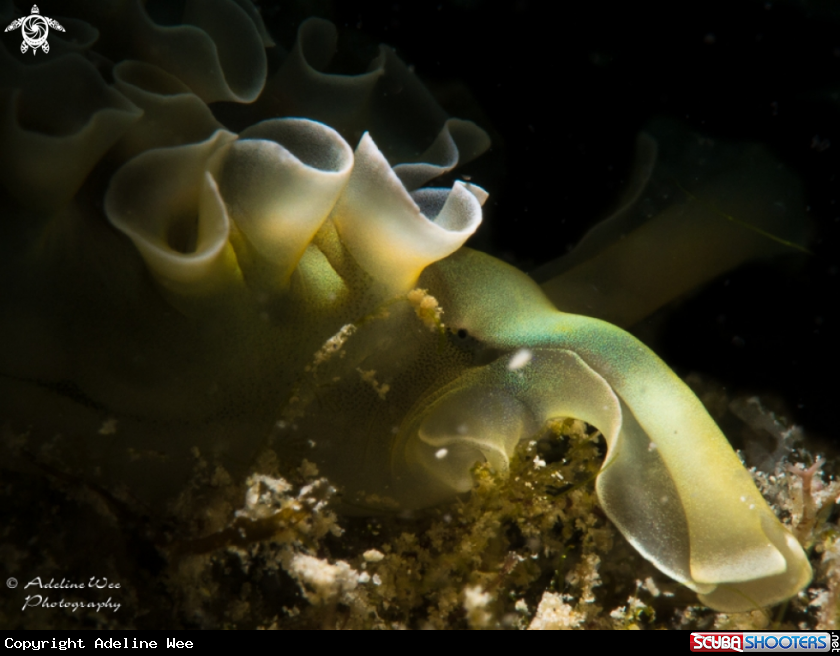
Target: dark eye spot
(462, 333)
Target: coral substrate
(530, 551)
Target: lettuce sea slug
(211, 246)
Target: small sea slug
(208, 248)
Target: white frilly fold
(387, 99)
(394, 234)
(459, 141)
(280, 181)
(233, 208)
(57, 120)
(302, 87)
(217, 47)
(172, 114)
(169, 205)
(59, 117)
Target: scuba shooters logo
(763, 641)
(717, 642)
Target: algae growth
(530, 551)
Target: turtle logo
(34, 29)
